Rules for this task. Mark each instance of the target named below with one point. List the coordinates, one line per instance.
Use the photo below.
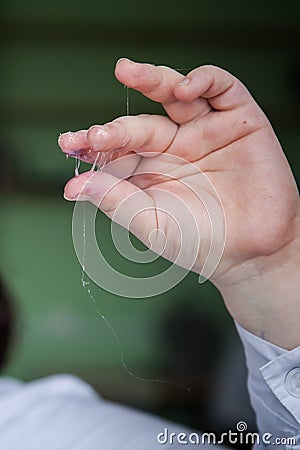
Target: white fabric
(276, 403)
(64, 413)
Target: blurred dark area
(57, 75)
(7, 324)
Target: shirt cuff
(274, 383)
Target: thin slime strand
(77, 166)
(104, 158)
(95, 162)
(127, 100)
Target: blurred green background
(57, 61)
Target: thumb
(120, 200)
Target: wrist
(263, 294)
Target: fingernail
(69, 197)
(184, 82)
(81, 197)
(123, 59)
(63, 134)
(60, 137)
(81, 188)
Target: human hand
(215, 128)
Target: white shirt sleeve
(274, 389)
(64, 413)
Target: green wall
(57, 75)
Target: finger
(74, 143)
(222, 90)
(155, 82)
(144, 133)
(77, 145)
(158, 83)
(140, 134)
(120, 200)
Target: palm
(250, 174)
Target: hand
(215, 127)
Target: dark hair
(6, 323)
